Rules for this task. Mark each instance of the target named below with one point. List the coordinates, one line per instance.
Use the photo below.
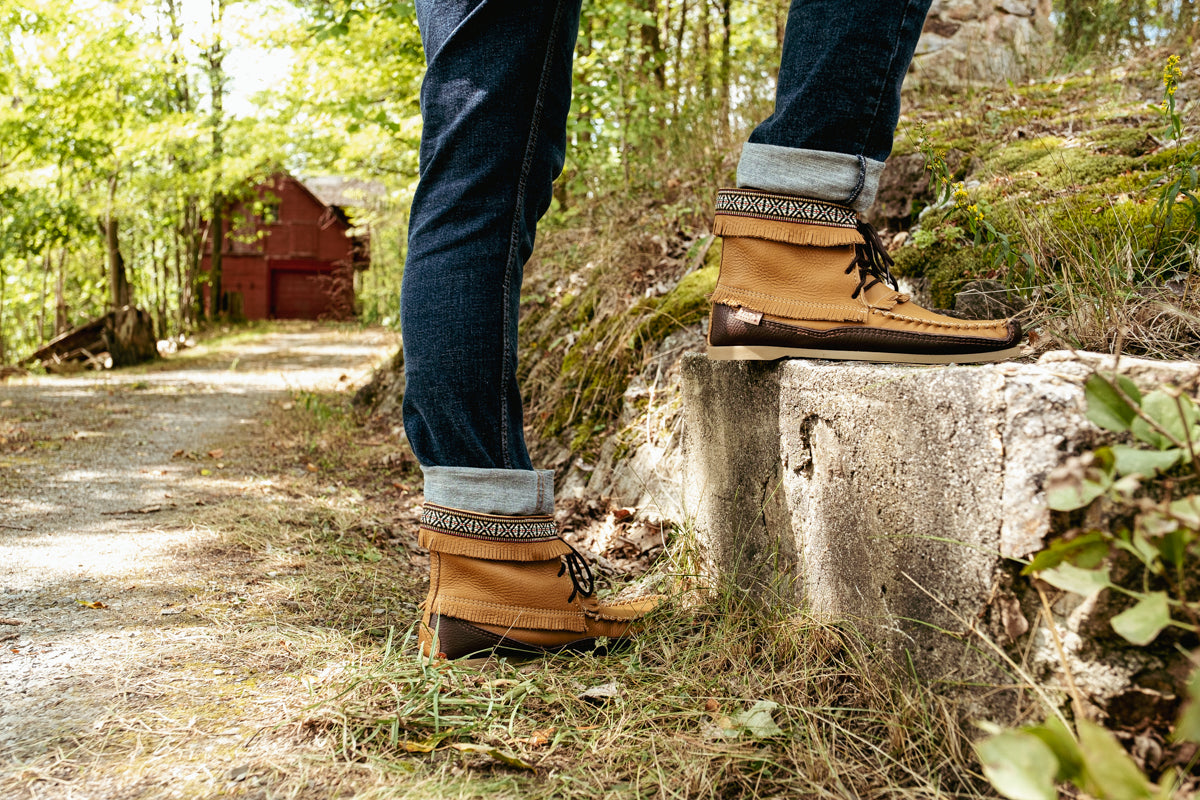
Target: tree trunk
(61, 321)
(3, 345)
(653, 57)
(41, 321)
(118, 282)
(217, 80)
(726, 62)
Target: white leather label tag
(747, 316)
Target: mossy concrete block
(901, 498)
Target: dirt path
(108, 585)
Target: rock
(973, 41)
(901, 498)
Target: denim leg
(495, 100)
(837, 100)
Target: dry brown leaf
(92, 604)
(712, 706)
(218, 453)
(311, 467)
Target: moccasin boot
(804, 278)
(511, 586)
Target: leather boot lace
(576, 566)
(872, 261)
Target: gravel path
(97, 474)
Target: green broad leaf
(1142, 623)
(1188, 727)
(1077, 494)
(1105, 407)
(1140, 461)
(1058, 738)
(1148, 553)
(1186, 511)
(1111, 773)
(1085, 551)
(1174, 416)
(1173, 547)
(1071, 578)
(1019, 765)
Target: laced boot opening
(872, 261)
(582, 581)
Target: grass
(414, 728)
(375, 720)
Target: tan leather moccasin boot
(804, 278)
(511, 586)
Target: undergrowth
(1081, 197)
(710, 702)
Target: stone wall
(900, 499)
(981, 41)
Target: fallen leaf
(92, 604)
(539, 738)
(602, 693)
(206, 472)
(419, 747)
(177, 454)
(757, 721)
(10, 621)
(218, 453)
(711, 706)
(311, 467)
(502, 756)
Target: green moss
(1021, 154)
(1125, 140)
(684, 305)
(947, 266)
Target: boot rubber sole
(771, 353)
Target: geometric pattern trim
(488, 526)
(782, 208)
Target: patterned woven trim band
(488, 526)
(782, 208)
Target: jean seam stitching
(908, 7)
(862, 181)
(514, 236)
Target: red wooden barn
(289, 255)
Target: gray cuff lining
(833, 177)
(508, 492)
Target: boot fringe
(786, 232)
(484, 613)
(491, 549)
(788, 309)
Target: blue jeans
(495, 100)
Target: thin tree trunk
(3, 344)
(216, 77)
(726, 62)
(118, 282)
(41, 322)
(61, 322)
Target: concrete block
(898, 497)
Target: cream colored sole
(765, 353)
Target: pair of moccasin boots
(799, 278)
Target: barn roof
(344, 192)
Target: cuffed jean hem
(507, 492)
(818, 175)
